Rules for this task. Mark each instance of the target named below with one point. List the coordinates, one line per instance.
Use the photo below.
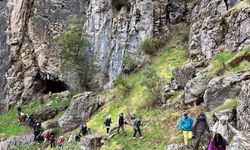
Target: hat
(224, 117)
(202, 115)
(109, 116)
(185, 114)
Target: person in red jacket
(60, 140)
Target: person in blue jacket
(185, 125)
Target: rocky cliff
(31, 67)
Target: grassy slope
(133, 103)
(9, 122)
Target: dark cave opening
(51, 84)
(54, 86)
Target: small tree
(71, 49)
(150, 80)
(122, 84)
(153, 45)
(129, 63)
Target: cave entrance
(54, 86)
(51, 83)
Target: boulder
(65, 94)
(16, 141)
(165, 93)
(50, 124)
(195, 88)
(181, 76)
(175, 147)
(231, 113)
(240, 141)
(224, 87)
(91, 142)
(176, 9)
(82, 107)
(243, 110)
(45, 113)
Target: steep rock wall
(213, 25)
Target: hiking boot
(134, 138)
(141, 137)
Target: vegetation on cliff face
(71, 49)
(135, 103)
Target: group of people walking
(199, 129)
(48, 137)
(121, 125)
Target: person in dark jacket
(52, 138)
(137, 127)
(121, 123)
(107, 123)
(200, 127)
(84, 129)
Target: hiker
(83, 129)
(37, 131)
(217, 143)
(45, 136)
(77, 138)
(226, 3)
(31, 121)
(137, 127)
(52, 138)
(21, 117)
(107, 124)
(19, 110)
(185, 125)
(60, 140)
(200, 127)
(70, 139)
(223, 127)
(121, 123)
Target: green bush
(151, 81)
(71, 49)
(153, 45)
(122, 84)
(129, 62)
(118, 4)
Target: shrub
(151, 81)
(129, 62)
(71, 48)
(122, 84)
(151, 46)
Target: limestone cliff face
(213, 25)
(28, 27)
(25, 44)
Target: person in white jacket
(223, 127)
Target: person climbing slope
(84, 129)
(120, 123)
(185, 125)
(223, 127)
(107, 123)
(52, 138)
(200, 127)
(137, 128)
(60, 140)
(217, 143)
